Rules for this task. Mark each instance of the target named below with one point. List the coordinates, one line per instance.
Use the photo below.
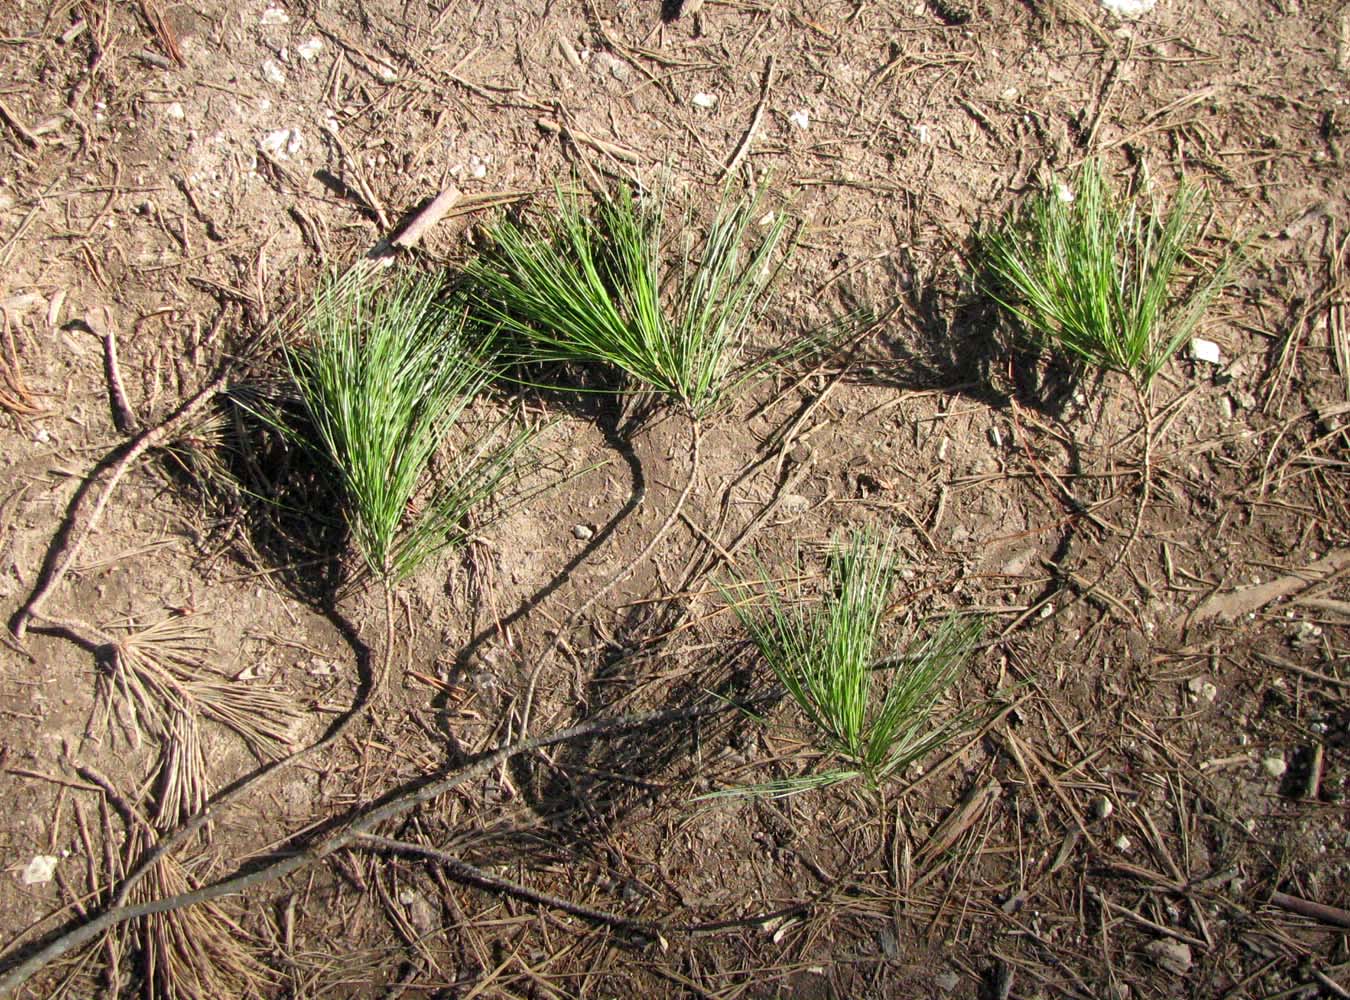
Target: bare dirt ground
(1157, 793)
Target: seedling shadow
(943, 335)
(616, 423)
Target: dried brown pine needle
(159, 687)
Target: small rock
(946, 980)
(1102, 807)
(1169, 955)
(274, 16)
(273, 73)
(309, 49)
(615, 66)
(1123, 843)
(421, 914)
(701, 100)
(889, 946)
(1201, 689)
(40, 870)
(1128, 9)
(583, 532)
(1206, 351)
(922, 133)
(283, 143)
(801, 118)
(1304, 634)
(1064, 193)
(1274, 765)
(795, 503)
(174, 110)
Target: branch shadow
(579, 796)
(618, 419)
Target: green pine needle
(1103, 276)
(826, 658)
(591, 286)
(386, 374)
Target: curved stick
(79, 525)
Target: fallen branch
(1333, 915)
(80, 524)
(1234, 604)
(577, 137)
(464, 870)
(356, 828)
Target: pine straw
(196, 953)
(158, 689)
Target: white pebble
(1275, 766)
(309, 49)
(1206, 351)
(702, 100)
(274, 15)
(39, 870)
(273, 73)
(283, 143)
(800, 118)
(1129, 8)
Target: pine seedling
(1110, 279)
(592, 286)
(826, 656)
(386, 375)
